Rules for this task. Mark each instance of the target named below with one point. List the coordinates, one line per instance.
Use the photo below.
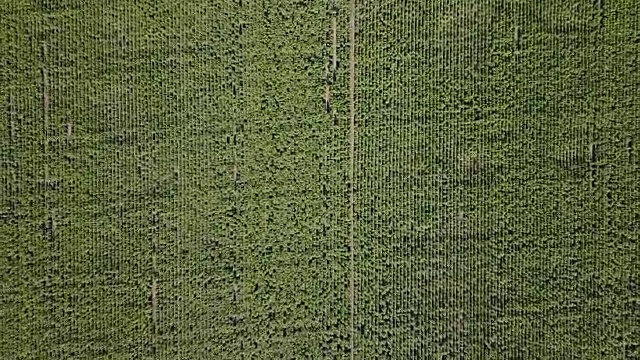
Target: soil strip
(352, 151)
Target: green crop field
(321, 179)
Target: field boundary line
(352, 150)
(334, 42)
(154, 306)
(46, 104)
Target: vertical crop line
(46, 102)
(352, 146)
(12, 166)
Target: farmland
(319, 179)
(497, 192)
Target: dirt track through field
(154, 305)
(334, 41)
(352, 150)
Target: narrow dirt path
(12, 124)
(154, 306)
(352, 151)
(46, 103)
(334, 43)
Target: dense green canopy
(232, 179)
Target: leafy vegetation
(176, 179)
(498, 201)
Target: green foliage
(175, 179)
(497, 195)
